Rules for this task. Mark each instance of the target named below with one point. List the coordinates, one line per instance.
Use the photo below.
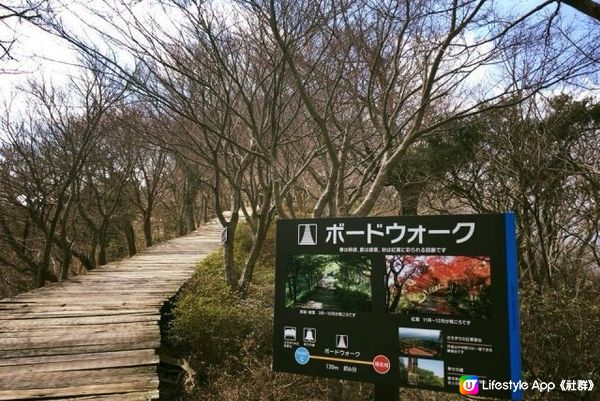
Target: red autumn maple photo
(443, 285)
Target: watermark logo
(469, 385)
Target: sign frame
(484, 241)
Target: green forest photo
(329, 282)
(421, 372)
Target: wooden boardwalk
(95, 336)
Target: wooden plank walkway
(94, 337)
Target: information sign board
(417, 301)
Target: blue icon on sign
(302, 356)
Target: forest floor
(419, 351)
(323, 296)
(437, 304)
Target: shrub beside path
(94, 337)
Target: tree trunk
(376, 188)
(328, 197)
(42, 271)
(189, 203)
(279, 202)
(409, 199)
(102, 259)
(231, 276)
(43, 266)
(395, 301)
(92, 258)
(67, 253)
(259, 240)
(65, 263)
(588, 7)
(148, 229)
(190, 215)
(84, 259)
(204, 214)
(129, 237)
(102, 242)
(289, 201)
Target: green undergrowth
(227, 339)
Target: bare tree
(404, 61)
(588, 7)
(231, 113)
(534, 159)
(45, 154)
(101, 186)
(18, 10)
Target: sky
(423, 334)
(40, 55)
(36, 55)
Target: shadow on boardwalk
(327, 296)
(324, 296)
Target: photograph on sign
(329, 282)
(443, 285)
(421, 372)
(420, 342)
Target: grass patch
(227, 339)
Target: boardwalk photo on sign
(441, 285)
(329, 282)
